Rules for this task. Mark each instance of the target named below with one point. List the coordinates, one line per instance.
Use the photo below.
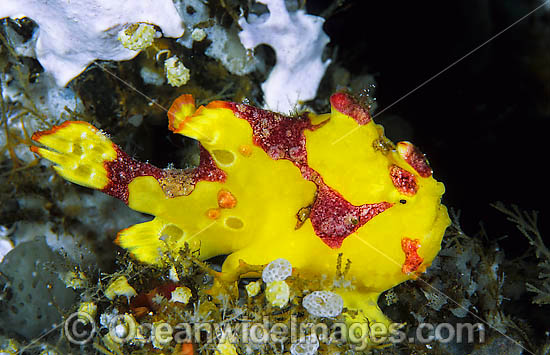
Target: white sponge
(298, 40)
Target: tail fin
(80, 151)
(85, 156)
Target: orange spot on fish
(226, 199)
(245, 150)
(213, 213)
(412, 259)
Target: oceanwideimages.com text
(124, 329)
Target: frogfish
(306, 188)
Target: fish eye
(402, 202)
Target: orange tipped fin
(182, 108)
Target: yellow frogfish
(268, 186)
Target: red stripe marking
(333, 217)
(123, 170)
(281, 137)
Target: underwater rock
(225, 45)
(33, 273)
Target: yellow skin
(259, 224)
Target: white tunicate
(277, 270)
(181, 294)
(306, 346)
(137, 36)
(253, 289)
(198, 34)
(121, 331)
(323, 304)
(176, 73)
(277, 293)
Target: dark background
(482, 123)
